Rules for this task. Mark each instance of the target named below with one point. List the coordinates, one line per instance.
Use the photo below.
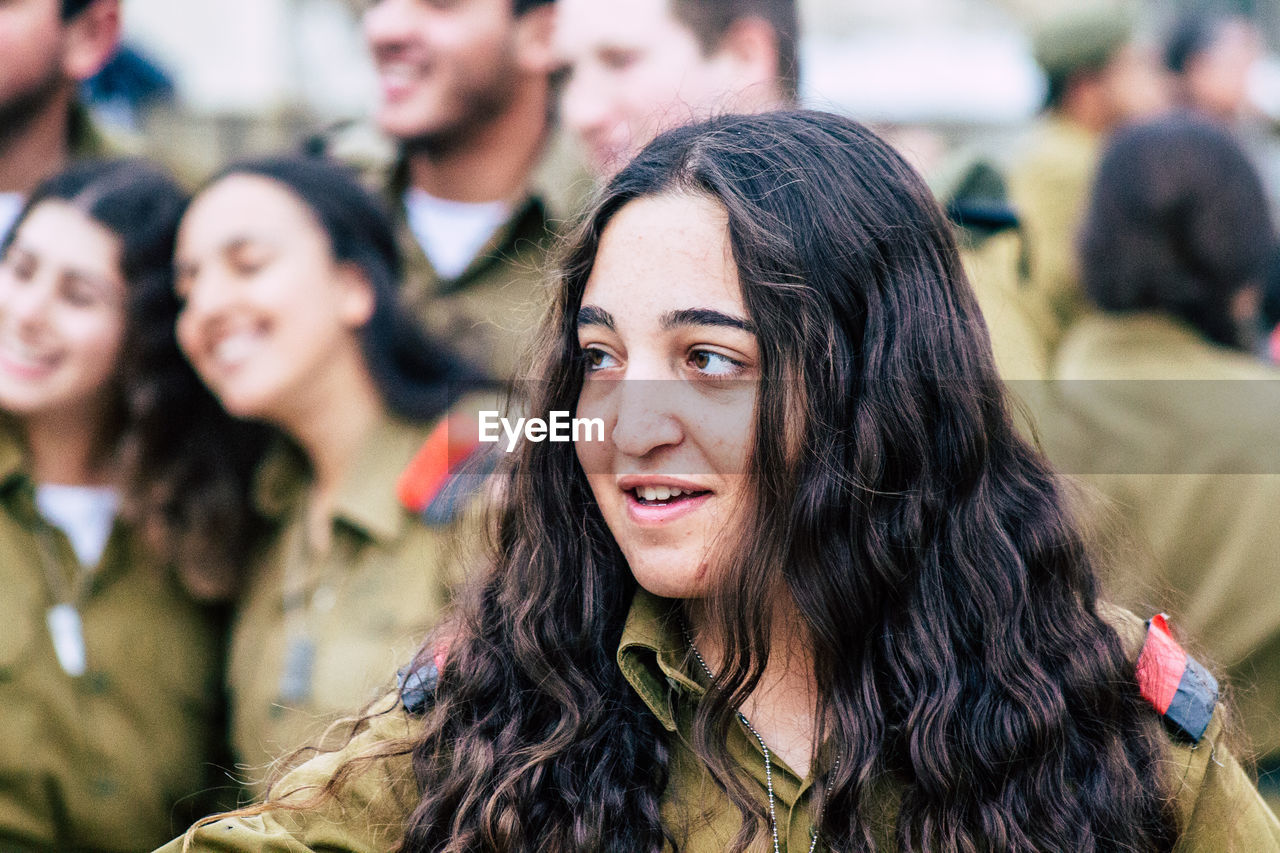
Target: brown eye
(597, 359)
(713, 363)
(618, 59)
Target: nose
(645, 419)
(206, 300)
(386, 24)
(584, 104)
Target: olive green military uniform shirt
(993, 250)
(1016, 320)
(1220, 808)
(115, 758)
(316, 636)
(1157, 418)
(1050, 186)
(489, 312)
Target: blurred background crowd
(234, 473)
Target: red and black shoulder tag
(446, 472)
(1182, 690)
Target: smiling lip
(398, 78)
(654, 514)
(693, 498)
(24, 368)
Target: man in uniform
(636, 68)
(468, 163)
(47, 48)
(1099, 77)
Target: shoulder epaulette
(1182, 690)
(416, 683)
(445, 472)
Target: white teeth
(658, 493)
(398, 73)
(25, 356)
(234, 348)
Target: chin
(244, 406)
(665, 581)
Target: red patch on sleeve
(427, 471)
(1161, 664)
(451, 442)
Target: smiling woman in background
(108, 666)
(811, 591)
(287, 273)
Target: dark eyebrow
(704, 317)
(590, 315)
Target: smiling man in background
(47, 49)
(466, 103)
(634, 68)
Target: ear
(355, 299)
(749, 52)
(533, 39)
(91, 38)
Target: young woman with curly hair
(811, 590)
(109, 664)
(287, 305)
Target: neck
(64, 451)
(1088, 111)
(37, 147)
(495, 161)
(330, 426)
(783, 706)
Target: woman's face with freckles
(671, 367)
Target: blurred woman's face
(62, 314)
(267, 312)
(671, 366)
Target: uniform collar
(557, 188)
(367, 499)
(652, 655)
(86, 139)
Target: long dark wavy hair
(161, 421)
(946, 597)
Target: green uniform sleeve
(366, 814)
(1221, 806)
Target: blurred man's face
(31, 46)
(633, 72)
(445, 66)
(1218, 79)
(1136, 83)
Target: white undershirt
(85, 514)
(10, 207)
(452, 233)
